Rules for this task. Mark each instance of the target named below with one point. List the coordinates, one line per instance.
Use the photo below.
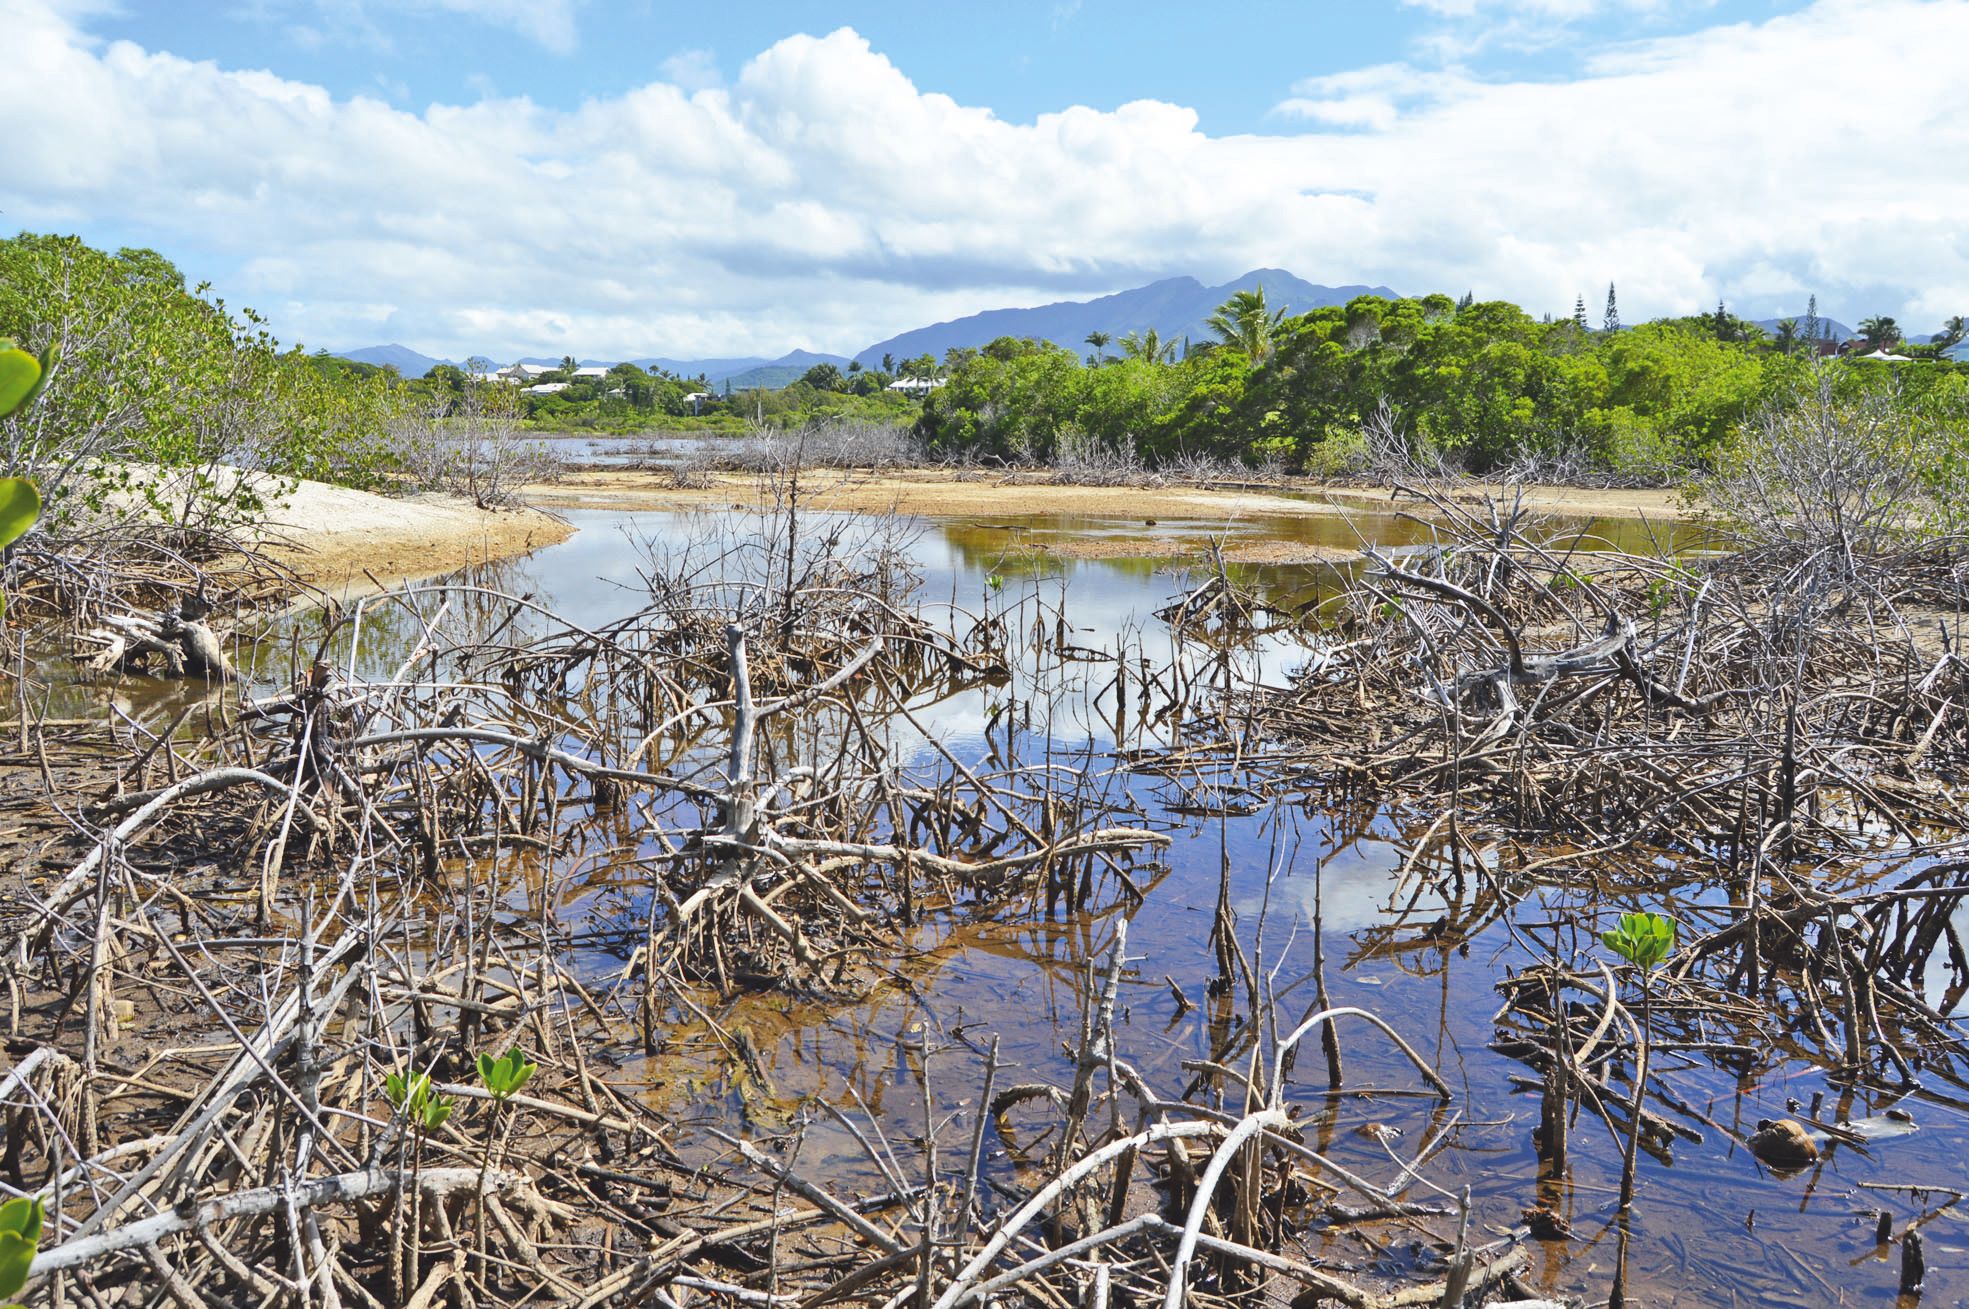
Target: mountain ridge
(1175, 307)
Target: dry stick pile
(366, 876)
(1767, 743)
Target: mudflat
(938, 493)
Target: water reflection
(1317, 894)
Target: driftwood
(174, 642)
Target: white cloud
(1468, 27)
(1545, 9)
(553, 24)
(692, 70)
(822, 199)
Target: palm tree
(1244, 322)
(568, 365)
(1952, 333)
(1148, 345)
(1099, 340)
(1880, 332)
(1787, 335)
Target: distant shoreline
(946, 493)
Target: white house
(918, 386)
(591, 370)
(523, 372)
(547, 388)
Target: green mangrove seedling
(1643, 940)
(422, 1107)
(504, 1077)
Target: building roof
(546, 388)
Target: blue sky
(654, 178)
(1232, 64)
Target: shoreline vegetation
(439, 947)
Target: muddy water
(1711, 1227)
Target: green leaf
(20, 506)
(432, 1112)
(20, 1237)
(505, 1076)
(1643, 940)
(22, 1218)
(20, 377)
(47, 362)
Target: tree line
(1483, 382)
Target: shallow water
(1711, 1227)
(651, 449)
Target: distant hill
(716, 370)
(1832, 327)
(741, 373)
(1175, 307)
(789, 367)
(406, 361)
(746, 372)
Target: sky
(646, 177)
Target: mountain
(746, 372)
(406, 361)
(1827, 326)
(1175, 307)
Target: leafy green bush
(161, 392)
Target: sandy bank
(939, 494)
(335, 537)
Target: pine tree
(1469, 298)
(1812, 320)
(1579, 312)
(1722, 322)
(1610, 323)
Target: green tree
(1880, 332)
(1246, 323)
(825, 377)
(1610, 320)
(161, 393)
(1149, 345)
